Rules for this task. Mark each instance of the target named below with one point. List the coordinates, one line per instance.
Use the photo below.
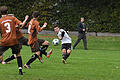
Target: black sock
(19, 62)
(10, 58)
(67, 55)
(43, 52)
(40, 53)
(64, 56)
(33, 58)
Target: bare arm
(23, 23)
(60, 38)
(41, 28)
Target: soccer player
(65, 41)
(8, 35)
(21, 39)
(33, 29)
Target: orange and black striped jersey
(8, 31)
(33, 29)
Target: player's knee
(63, 51)
(68, 51)
(38, 53)
(46, 43)
(15, 56)
(18, 54)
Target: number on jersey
(8, 27)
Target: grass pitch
(100, 62)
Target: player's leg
(69, 46)
(32, 59)
(35, 48)
(80, 36)
(85, 42)
(13, 56)
(64, 53)
(2, 50)
(44, 48)
(68, 53)
(41, 41)
(16, 50)
(45, 45)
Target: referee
(81, 34)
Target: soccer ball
(55, 42)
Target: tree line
(100, 15)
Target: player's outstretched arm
(44, 26)
(23, 23)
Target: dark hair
(55, 26)
(3, 10)
(36, 14)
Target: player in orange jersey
(33, 29)
(8, 35)
(21, 40)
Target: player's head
(56, 28)
(3, 10)
(36, 14)
(82, 19)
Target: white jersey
(66, 38)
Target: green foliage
(100, 15)
(26, 7)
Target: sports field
(100, 62)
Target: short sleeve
(59, 34)
(17, 21)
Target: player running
(21, 39)
(8, 35)
(65, 41)
(33, 29)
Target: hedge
(100, 15)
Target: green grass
(100, 62)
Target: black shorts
(40, 41)
(15, 49)
(35, 47)
(22, 41)
(67, 46)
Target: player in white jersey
(65, 41)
